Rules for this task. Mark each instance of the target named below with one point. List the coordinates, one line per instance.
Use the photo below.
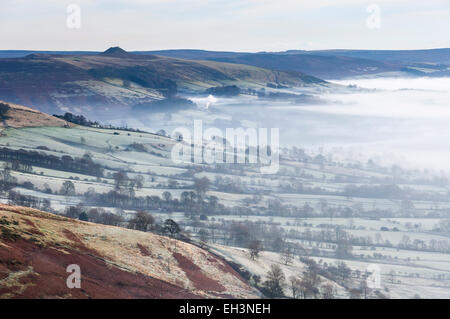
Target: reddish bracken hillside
(36, 248)
(19, 116)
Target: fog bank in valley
(402, 121)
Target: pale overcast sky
(245, 25)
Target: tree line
(82, 165)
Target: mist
(401, 121)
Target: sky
(229, 25)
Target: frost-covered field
(417, 271)
(417, 278)
(261, 265)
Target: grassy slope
(57, 82)
(113, 151)
(102, 144)
(36, 248)
(21, 116)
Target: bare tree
(287, 255)
(4, 108)
(203, 235)
(7, 181)
(141, 221)
(295, 286)
(167, 196)
(120, 180)
(171, 227)
(139, 181)
(328, 291)
(255, 247)
(311, 281)
(201, 185)
(275, 282)
(343, 269)
(68, 188)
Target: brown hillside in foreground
(22, 116)
(37, 247)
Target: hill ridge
(18, 116)
(36, 247)
(115, 80)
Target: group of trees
(7, 181)
(141, 220)
(254, 235)
(274, 285)
(189, 202)
(4, 108)
(83, 165)
(68, 188)
(309, 284)
(95, 215)
(316, 281)
(227, 91)
(418, 244)
(193, 203)
(20, 167)
(255, 247)
(17, 199)
(390, 191)
(77, 119)
(81, 120)
(126, 185)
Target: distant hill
(327, 67)
(326, 64)
(86, 83)
(4, 54)
(440, 56)
(17, 116)
(320, 65)
(115, 51)
(37, 247)
(194, 54)
(332, 64)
